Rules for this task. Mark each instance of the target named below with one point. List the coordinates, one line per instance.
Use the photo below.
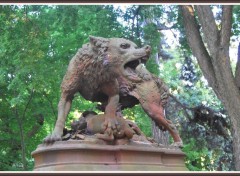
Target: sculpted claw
(112, 126)
(52, 138)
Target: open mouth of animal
(130, 67)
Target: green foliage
(197, 158)
(200, 93)
(236, 23)
(152, 66)
(201, 158)
(152, 36)
(200, 153)
(36, 45)
(137, 115)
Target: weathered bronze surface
(87, 156)
(112, 71)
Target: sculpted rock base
(79, 155)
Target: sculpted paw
(111, 126)
(52, 138)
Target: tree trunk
(20, 121)
(161, 137)
(23, 147)
(214, 61)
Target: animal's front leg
(63, 110)
(111, 124)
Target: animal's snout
(148, 49)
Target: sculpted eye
(125, 45)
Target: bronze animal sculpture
(94, 73)
(111, 71)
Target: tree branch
(135, 14)
(207, 117)
(29, 100)
(225, 34)
(51, 105)
(184, 107)
(36, 127)
(23, 147)
(224, 83)
(209, 27)
(226, 26)
(161, 26)
(197, 46)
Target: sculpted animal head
(120, 54)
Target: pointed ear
(97, 41)
(93, 40)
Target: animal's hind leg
(64, 106)
(174, 133)
(157, 114)
(168, 125)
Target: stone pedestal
(80, 156)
